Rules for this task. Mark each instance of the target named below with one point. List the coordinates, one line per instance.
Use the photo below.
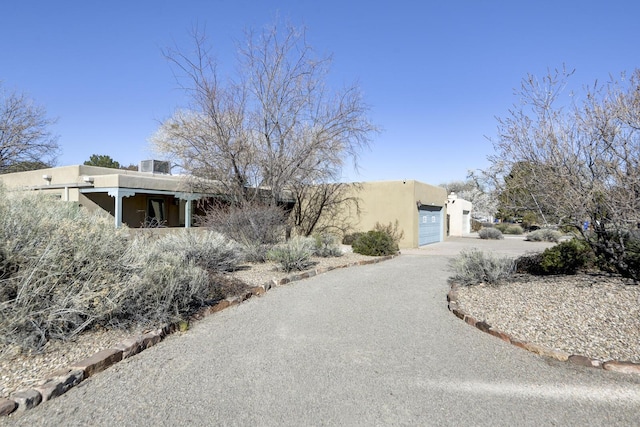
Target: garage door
(430, 225)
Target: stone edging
(609, 365)
(64, 379)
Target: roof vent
(155, 166)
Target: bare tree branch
(25, 139)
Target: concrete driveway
(363, 346)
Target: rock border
(576, 359)
(64, 379)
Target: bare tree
(577, 161)
(275, 126)
(25, 139)
(475, 191)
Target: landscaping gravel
(597, 316)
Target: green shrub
(375, 243)
(567, 257)
(392, 230)
(348, 239)
(490, 234)
(544, 235)
(473, 267)
(326, 245)
(502, 226)
(294, 254)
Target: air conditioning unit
(155, 166)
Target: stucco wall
(459, 211)
(388, 201)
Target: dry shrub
(64, 270)
(257, 227)
(473, 267)
(294, 254)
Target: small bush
(473, 267)
(502, 226)
(392, 230)
(164, 286)
(375, 243)
(207, 249)
(249, 224)
(513, 229)
(348, 239)
(256, 252)
(476, 225)
(294, 254)
(326, 245)
(544, 235)
(490, 234)
(567, 257)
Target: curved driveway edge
(64, 379)
(609, 365)
(368, 346)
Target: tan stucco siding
(390, 201)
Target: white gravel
(597, 316)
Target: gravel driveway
(368, 345)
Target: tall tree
(26, 141)
(577, 160)
(275, 126)
(102, 160)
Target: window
(155, 212)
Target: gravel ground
(597, 316)
(20, 371)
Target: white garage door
(429, 225)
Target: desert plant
(70, 270)
(375, 243)
(473, 267)
(502, 226)
(476, 225)
(326, 245)
(208, 249)
(247, 224)
(490, 233)
(295, 254)
(544, 235)
(164, 286)
(567, 257)
(61, 265)
(392, 230)
(348, 239)
(513, 229)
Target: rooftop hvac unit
(155, 166)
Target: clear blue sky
(436, 73)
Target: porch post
(118, 194)
(188, 198)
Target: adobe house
(458, 215)
(131, 197)
(419, 208)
